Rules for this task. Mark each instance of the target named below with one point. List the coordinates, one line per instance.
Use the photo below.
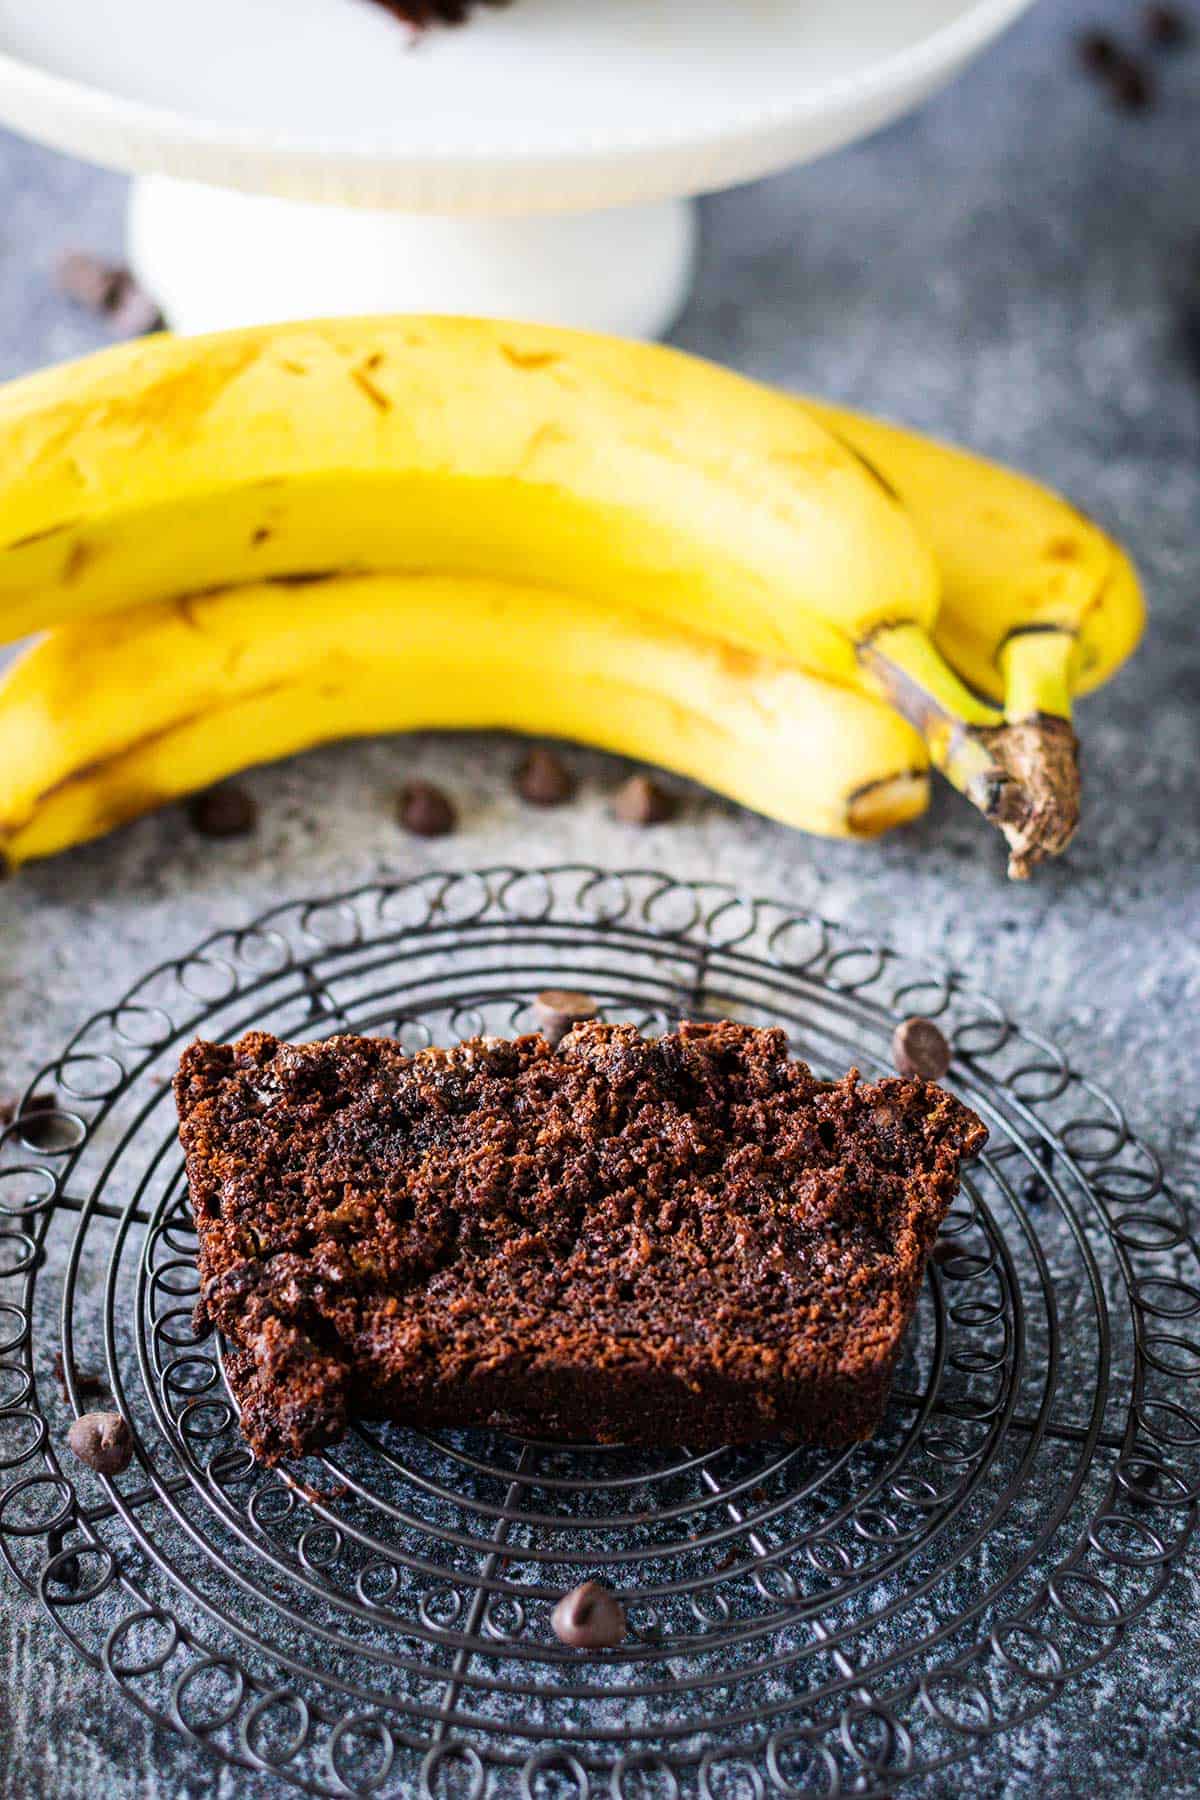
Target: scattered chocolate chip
(919, 1049)
(132, 313)
(543, 779)
(1165, 26)
(1098, 51)
(944, 1250)
(1034, 1190)
(109, 290)
(223, 812)
(1045, 1154)
(642, 801)
(589, 1618)
(557, 1009)
(425, 810)
(103, 1441)
(67, 1573)
(90, 280)
(1131, 86)
(86, 1380)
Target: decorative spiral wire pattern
(802, 1623)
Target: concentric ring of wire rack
(801, 1623)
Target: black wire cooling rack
(376, 1622)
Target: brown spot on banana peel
(44, 535)
(79, 560)
(1064, 550)
(529, 359)
(185, 605)
(869, 468)
(361, 378)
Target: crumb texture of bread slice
(682, 1239)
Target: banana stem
(1039, 665)
(1021, 772)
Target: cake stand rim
(611, 165)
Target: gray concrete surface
(1019, 267)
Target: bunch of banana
(243, 545)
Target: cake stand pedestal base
(215, 259)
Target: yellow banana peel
(1038, 603)
(104, 718)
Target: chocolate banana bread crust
(687, 1239)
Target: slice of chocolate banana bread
(685, 1239)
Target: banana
(102, 719)
(614, 472)
(1038, 603)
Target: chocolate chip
(108, 289)
(132, 313)
(1098, 51)
(103, 1441)
(90, 280)
(223, 812)
(1131, 86)
(1034, 1190)
(919, 1049)
(642, 801)
(67, 1573)
(425, 810)
(589, 1618)
(557, 1009)
(944, 1250)
(1165, 26)
(543, 779)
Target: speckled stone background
(1018, 267)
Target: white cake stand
(311, 156)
